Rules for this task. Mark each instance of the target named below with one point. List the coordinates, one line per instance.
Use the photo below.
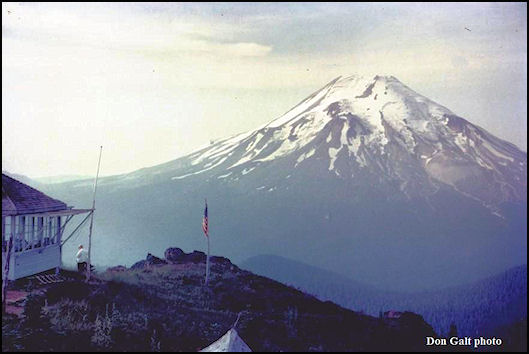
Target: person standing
(82, 259)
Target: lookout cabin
(36, 223)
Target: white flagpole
(92, 218)
(207, 262)
(207, 257)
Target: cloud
(459, 62)
(247, 49)
(109, 28)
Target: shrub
(102, 331)
(155, 342)
(68, 315)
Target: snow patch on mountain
(303, 157)
(225, 175)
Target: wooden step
(48, 278)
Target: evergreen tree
(453, 330)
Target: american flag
(205, 220)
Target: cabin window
(49, 232)
(7, 223)
(20, 230)
(40, 232)
(58, 230)
(26, 232)
(53, 231)
(31, 234)
(4, 235)
(23, 234)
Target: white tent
(230, 342)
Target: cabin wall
(4, 266)
(11, 275)
(35, 261)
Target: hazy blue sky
(152, 82)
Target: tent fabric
(20, 199)
(230, 342)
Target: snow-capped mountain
(373, 128)
(364, 164)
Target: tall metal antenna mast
(89, 270)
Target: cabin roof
(20, 199)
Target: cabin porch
(37, 241)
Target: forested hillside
(479, 308)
